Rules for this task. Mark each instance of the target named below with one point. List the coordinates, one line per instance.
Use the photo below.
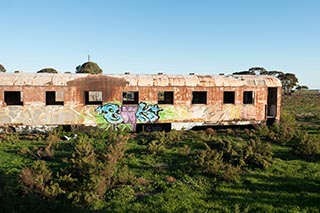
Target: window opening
(13, 98)
(54, 97)
(93, 97)
(199, 97)
(248, 97)
(130, 97)
(228, 97)
(165, 97)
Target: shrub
(231, 150)
(155, 147)
(38, 179)
(231, 173)
(282, 132)
(124, 176)
(174, 136)
(224, 158)
(212, 163)
(306, 145)
(91, 171)
(11, 137)
(185, 150)
(257, 154)
(89, 174)
(210, 131)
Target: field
(260, 169)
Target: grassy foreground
(229, 170)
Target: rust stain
(73, 86)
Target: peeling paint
(113, 114)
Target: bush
(38, 179)
(89, 174)
(257, 154)
(224, 158)
(280, 133)
(155, 147)
(212, 163)
(306, 145)
(91, 171)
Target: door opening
(271, 111)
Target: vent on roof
(127, 73)
(191, 73)
(160, 73)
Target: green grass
(159, 172)
(286, 186)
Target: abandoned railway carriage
(136, 101)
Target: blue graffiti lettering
(148, 113)
(111, 113)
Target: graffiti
(147, 113)
(111, 113)
(128, 114)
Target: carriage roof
(62, 79)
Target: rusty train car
(136, 101)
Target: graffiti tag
(148, 113)
(111, 113)
(114, 114)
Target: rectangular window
(93, 97)
(228, 97)
(130, 97)
(13, 98)
(248, 97)
(165, 97)
(199, 97)
(54, 97)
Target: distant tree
(243, 73)
(276, 74)
(302, 87)
(258, 70)
(289, 80)
(89, 67)
(2, 69)
(48, 70)
(253, 71)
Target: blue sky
(169, 36)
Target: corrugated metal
(109, 89)
(37, 79)
(61, 79)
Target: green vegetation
(263, 169)
(89, 67)
(289, 81)
(47, 70)
(2, 69)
